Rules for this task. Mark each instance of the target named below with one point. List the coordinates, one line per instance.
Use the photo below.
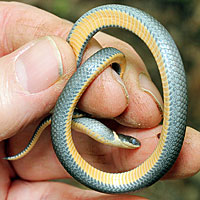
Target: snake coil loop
(173, 79)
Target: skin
(20, 113)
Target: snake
(171, 69)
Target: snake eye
(116, 67)
(135, 142)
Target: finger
(107, 85)
(42, 164)
(185, 166)
(144, 98)
(32, 77)
(187, 163)
(145, 102)
(22, 190)
(19, 25)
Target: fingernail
(148, 86)
(119, 80)
(39, 65)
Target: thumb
(32, 78)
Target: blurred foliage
(182, 19)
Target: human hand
(30, 86)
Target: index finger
(19, 25)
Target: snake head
(129, 141)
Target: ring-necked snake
(173, 79)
